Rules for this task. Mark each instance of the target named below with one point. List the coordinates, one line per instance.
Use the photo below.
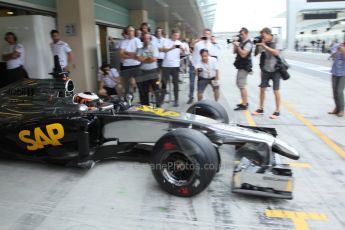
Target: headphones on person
(10, 34)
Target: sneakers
(275, 115)
(258, 112)
(190, 101)
(241, 107)
(242, 104)
(340, 114)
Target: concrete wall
(80, 13)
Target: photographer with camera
(270, 46)
(203, 43)
(243, 63)
(208, 74)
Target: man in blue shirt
(338, 79)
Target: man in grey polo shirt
(271, 45)
(148, 55)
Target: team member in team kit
(171, 64)
(208, 74)
(128, 53)
(160, 42)
(14, 57)
(62, 50)
(149, 70)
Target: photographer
(243, 64)
(203, 43)
(338, 79)
(208, 74)
(270, 45)
(109, 81)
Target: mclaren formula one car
(43, 120)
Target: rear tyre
(184, 162)
(210, 109)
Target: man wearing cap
(271, 46)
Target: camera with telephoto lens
(235, 38)
(257, 39)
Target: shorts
(241, 79)
(202, 84)
(267, 76)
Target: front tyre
(210, 109)
(184, 162)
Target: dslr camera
(257, 39)
(235, 38)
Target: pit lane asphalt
(124, 195)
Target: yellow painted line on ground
(315, 130)
(298, 218)
(299, 165)
(249, 118)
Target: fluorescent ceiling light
(177, 16)
(162, 3)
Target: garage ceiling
(193, 15)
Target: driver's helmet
(87, 98)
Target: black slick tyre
(210, 109)
(184, 162)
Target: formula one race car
(43, 120)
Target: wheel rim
(177, 168)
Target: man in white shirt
(216, 47)
(203, 43)
(145, 28)
(14, 57)
(208, 74)
(109, 81)
(62, 50)
(160, 42)
(128, 52)
(171, 64)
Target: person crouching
(109, 81)
(208, 74)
